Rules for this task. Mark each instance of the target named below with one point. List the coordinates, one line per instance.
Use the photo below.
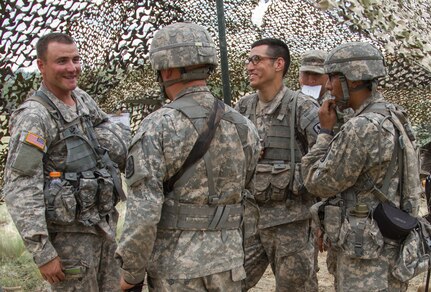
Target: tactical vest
(397, 117)
(177, 215)
(90, 183)
(277, 142)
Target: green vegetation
(17, 268)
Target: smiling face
(263, 72)
(60, 68)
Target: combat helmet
(182, 44)
(356, 61)
(114, 137)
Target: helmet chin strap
(346, 91)
(201, 73)
(346, 96)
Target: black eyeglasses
(256, 59)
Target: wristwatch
(326, 131)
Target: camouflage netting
(113, 37)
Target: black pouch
(393, 222)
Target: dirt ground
(326, 281)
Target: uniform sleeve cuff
(130, 279)
(47, 254)
(324, 139)
(326, 131)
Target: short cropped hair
(276, 48)
(44, 41)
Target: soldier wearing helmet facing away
(361, 162)
(186, 233)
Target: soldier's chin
(253, 85)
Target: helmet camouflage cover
(180, 45)
(356, 61)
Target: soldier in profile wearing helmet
(183, 220)
(360, 163)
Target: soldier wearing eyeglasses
(288, 125)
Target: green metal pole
(223, 53)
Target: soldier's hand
(52, 271)
(327, 114)
(124, 285)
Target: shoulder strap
(40, 97)
(201, 145)
(380, 194)
(292, 140)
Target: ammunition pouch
(356, 234)
(333, 215)
(85, 197)
(60, 203)
(272, 183)
(106, 201)
(360, 237)
(180, 216)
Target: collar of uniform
(66, 111)
(192, 89)
(373, 98)
(270, 107)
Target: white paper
(313, 91)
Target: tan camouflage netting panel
(113, 37)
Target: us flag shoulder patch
(35, 140)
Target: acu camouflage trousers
(289, 248)
(93, 255)
(227, 281)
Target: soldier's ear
(279, 64)
(40, 65)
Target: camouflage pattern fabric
(426, 159)
(115, 137)
(284, 216)
(312, 61)
(25, 181)
(181, 45)
(157, 151)
(370, 274)
(229, 281)
(289, 248)
(366, 60)
(335, 164)
(93, 256)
